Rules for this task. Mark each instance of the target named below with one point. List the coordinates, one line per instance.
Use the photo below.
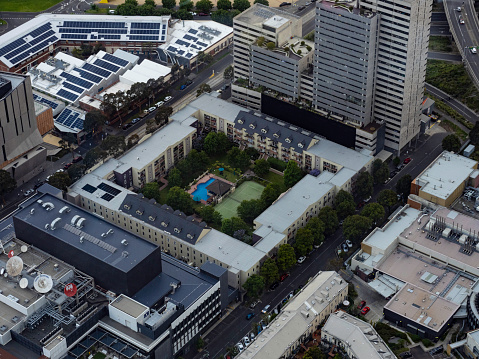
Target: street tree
(114, 145)
(241, 5)
(396, 161)
(329, 217)
(162, 115)
(286, 257)
(183, 14)
(387, 198)
(261, 167)
(174, 178)
(380, 171)
(263, 2)
(186, 5)
(179, 199)
(248, 210)
(345, 209)
(60, 180)
(364, 185)
(403, 186)
(204, 6)
(355, 227)
(75, 171)
(374, 211)
(304, 241)
(94, 156)
(204, 88)
(223, 5)
(269, 271)
(292, 174)
(168, 4)
(7, 184)
(229, 71)
(254, 285)
(233, 224)
(317, 227)
(94, 120)
(343, 196)
(451, 143)
(209, 215)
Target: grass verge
(440, 43)
(448, 125)
(27, 5)
(101, 11)
(441, 106)
(3, 22)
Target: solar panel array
(145, 38)
(115, 60)
(143, 25)
(70, 96)
(97, 70)
(109, 194)
(89, 188)
(45, 101)
(94, 24)
(109, 189)
(108, 37)
(86, 75)
(73, 87)
(89, 31)
(76, 80)
(71, 119)
(106, 65)
(193, 42)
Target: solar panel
(86, 75)
(106, 65)
(189, 37)
(78, 124)
(202, 44)
(115, 60)
(64, 115)
(52, 104)
(73, 87)
(145, 32)
(74, 36)
(188, 55)
(193, 31)
(12, 46)
(107, 197)
(145, 38)
(97, 70)
(67, 94)
(181, 42)
(94, 24)
(71, 119)
(144, 25)
(108, 189)
(89, 188)
(172, 48)
(34, 50)
(76, 80)
(17, 51)
(181, 52)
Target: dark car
(126, 126)
(67, 166)
(284, 4)
(274, 286)
(283, 277)
(77, 159)
(188, 82)
(301, 8)
(38, 184)
(249, 316)
(182, 87)
(362, 304)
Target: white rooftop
(363, 340)
(276, 21)
(442, 177)
(259, 14)
(145, 71)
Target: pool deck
(205, 179)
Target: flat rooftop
(259, 15)
(422, 307)
(129, 306)
(108, 248)
(442, 177)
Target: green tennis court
(246, 191)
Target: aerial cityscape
(239, 179)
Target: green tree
(229, 71)
(374, 211)
(355, 227)
(270, 45)
(264, 2)
(237, 158)
(216, 143)
(317, 227)
(474, 134)
(314, 353)
(94, 156)
(202, 89)
(396, 161)
(187, 5)
(174, 178)
(233, 224)
(343, 196)
(209, 215)
(151, 190)
(261, 167)
(183, 14)
(270, 193)
(345, 209)
(223, 5)
(114, 145)
(204, 6)
(451, 143)
(168, 4)
(304, 241)
(364, 185)
(163, 114)
(254, 285)
(286, 257)
(248, 210)
(403, 186)
(7, 184)
(179, 199)
(241, 5)
(329, 217)
(224, 16)
(76, 171)
(93, 121)
(200, 343)
(269, 271)
(292, 174)
(387, 198)
(380, 171)
(60, 180)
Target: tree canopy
(93, 120)
(292, 174)
(60, 180)
(387, 198)
(374, 211)
(344, 204)
(114, 145)
(329, 217)
(209, 215)
(364, 185)
(229, 71)
(355, 227)
(403, 186)
(216, 142)
(380, 171)
(261, 167)
(224, 17)
(237, 158)
(248, 210)
(202, 89)
(474, 134)
(94, 156)
(269, 271)
(286, 257)
(179, 199)
(151, 190)
(241, 5)
(317, 227)
(254, 285)
(174, 178)
(7, 183)
(233, 224)
(264, 2)
(223, 5)
(204, 6)
(270, 193)
(304, 241)
(451, 143)
(168, 4)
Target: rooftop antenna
(43, 283)
(23, 283)
(14, 266)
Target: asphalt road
(440, 30)
(444, 56)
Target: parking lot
(373, 299)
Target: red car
(283, 277)
(407, 160)
(77, 159)
(362, 304)
(67, 166)
(365, 310)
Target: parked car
(152, 108)
(203, 14)
(367, 199)
(193, 13)
(159, 104)
(251, 336)
(240, 347)
(344, 247)
(274, 286)
(249, 316)
(284, 4)
(77, 159)
(392, 173)
(473, 50)
(188, 82)
(349, 243)
(38, 185)
(301, 8)
(67, 166)
(225, 87)
(28, 192)
(365, 310)
(253, 305)
(362, 304)
(135, 120)
(182, 87)
(126, 126)
(461, 21)
(405, 355)
(407, 160)
(301, 259)
(48, 178)
(246, 341)
(283, 277)
(458, 9)
(167, 98)
(266, 309)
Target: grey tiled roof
(163, 217)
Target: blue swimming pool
(201, 192)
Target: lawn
(27, 5)
(230, 176)
(98, 11)
(246, 191)
(99, 356)
(275, 178)
(440, 43)
(454, 80)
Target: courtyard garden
(248, 190)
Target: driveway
(374, 300)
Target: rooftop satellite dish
(14, 266)
(43, 283)
(24, 248)
(23, 283)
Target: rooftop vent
(124, 242)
